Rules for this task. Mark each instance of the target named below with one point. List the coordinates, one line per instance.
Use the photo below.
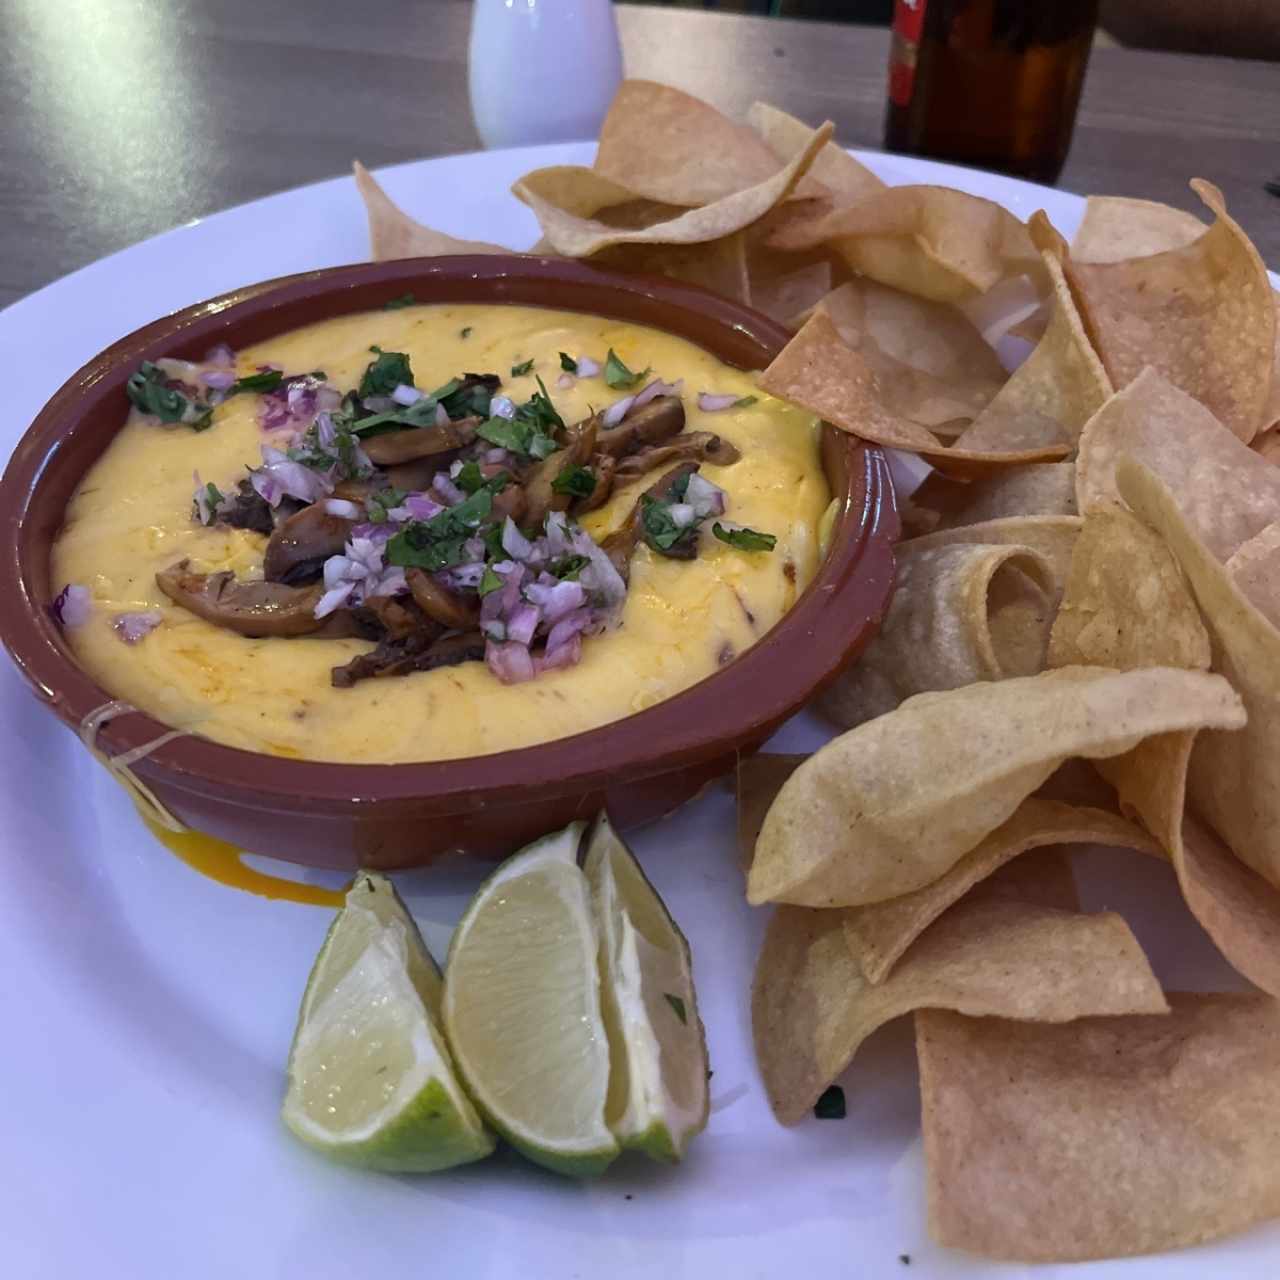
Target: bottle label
(908, 24)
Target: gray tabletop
(143, 114)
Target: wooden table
(138, 115)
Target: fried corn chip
(846, 179)
(718, 265)
(1062, 379)
(934, 242)
(1254, 567)
(393, 234)
(1115, 228)
(820, 372)
(554, 195)
(959, 613)
(891, 805)
(879, 933)
(760, 778)
(932, 365)
(1042, 489)
(811, 1007)
(1228, 492)
(1102, 1137)
(1053, 537)
(1233, 782)
(669, 146)
(1201, 314)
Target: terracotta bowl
(343, 816)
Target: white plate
(147, 1011)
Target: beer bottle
(989, 83)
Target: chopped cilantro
(267, 380)
(831, 1105)
(490, 581)
(568, 363)
(437, 543)
(464, 397)
(617, 375)
(469, 478)
(465, 333)
(744, 539)
(567, 568)
(530, 432)
(678, 1006)
(378, 504)
(660, 531)
(492, 536)
(576, 482)
(390, 370)
(745, 402)
(213, 493)
(154, 392)
(519, 370)
(404, 300)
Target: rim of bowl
(770, 681)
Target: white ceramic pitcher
(542, 70)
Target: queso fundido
(540, 521)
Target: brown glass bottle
(990, 83)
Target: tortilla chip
(1254, 567)
(1062, 379)
(718, 265)
(1233, 781)
(760, 778)
(393, 234)
(1102, 1137)
(878, 934)
(1228, 492)
(811, 1008)
(820, 372)
(1053, 537)
(784, 294)
(934, 242)
(932, 365)
(1201, 314)
(670, 146)
(1042, 489)
(892, 805)
(1115, 228)
(847, 180)
(958, 614)
(554, 199)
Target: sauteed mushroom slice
(403, 657)
(249, 608)
(451, 610)
(538, 487)
(393, 448)
(299, 547)
(697, 446)
(620, 545)
(654, 423)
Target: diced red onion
(556, 599)
(709, 402)
(587, 367)
(570, 625)
(218, 379)
(336, 570)
(341, 507)
(600, 576)
(502, 407)
(510, 662)
(442, 416)
(221, 355)
(618, 410)
(265, 487)
(406, 395)
(655, 389)
(565, 381)
(378, 404)
(447, 489)
(328, 399)
(391, 583)
(334, 599)
(72, 606)
(682, 514)
(493, 629)
(705, 498)
(326, 432)
(132, 627)
(514, 543)
(567, 654)
(522, 623)
(464, 577)
(474, 549)
(205, 511)
(293, 478)
(497, 456)
(422, 507)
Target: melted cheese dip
(132, 516)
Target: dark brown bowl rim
(769, 682)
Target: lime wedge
(370, 1078)
(522, 1008)
(658, 1090)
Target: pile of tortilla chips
(1083, 648)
